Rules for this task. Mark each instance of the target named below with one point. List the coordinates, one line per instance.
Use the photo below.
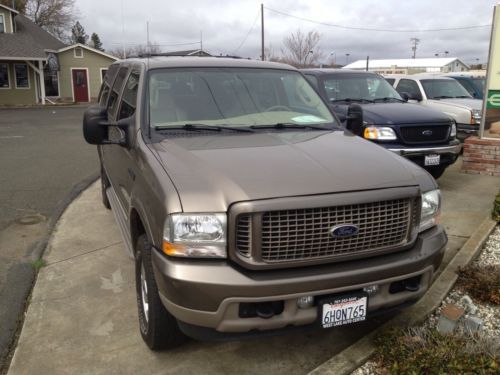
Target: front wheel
(158, 327)
(436, 172)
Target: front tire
(104, 186)
(158, 327)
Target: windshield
(444, 88)
(233, 97)
(363, 87)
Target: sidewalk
(83, 316)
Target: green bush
(496, 208)
(426, 351)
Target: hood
(212, 171)
(397, 113)
(468, 103)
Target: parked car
(474, 83)
(423, 135)
(444, 94)
(248, 208)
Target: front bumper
(208, 293)
(449, 153)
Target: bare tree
(134, 51)
(19, 5)
(301, 50)
(55, 16)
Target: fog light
(372, 289)
(305, 302)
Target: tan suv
(247, 207)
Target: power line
(246, 36)
(157, 44)
(375, 29)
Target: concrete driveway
(83, 318)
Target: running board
(121, 219)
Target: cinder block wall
(481, 156)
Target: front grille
(305, 234)
(423, 134)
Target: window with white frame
(22, 76)
(4, 76)
(78, 52)
(2, 23)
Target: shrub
(426, 351)
(481, 282)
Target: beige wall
(91, 60)
(18, 96)
(7, 19)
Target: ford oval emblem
(427, 132)
(344, 230)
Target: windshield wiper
(202, 127)
(463, 97)
(288, 125)
(348, 100)
(443, 97)
(388, 99)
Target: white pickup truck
(444, 94)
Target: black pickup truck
(423, 135)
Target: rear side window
(390, 81)
(115, 92)
(409, 86)
(106, 85)
(129, 97)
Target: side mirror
(354, 118)
(417, 97)
(405, 96)
(95, 128)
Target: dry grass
(481, 282)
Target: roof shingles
(29, 41)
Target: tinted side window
(115, 92)
(467, 85)
(409, 86)
(129, 96)
(390, 81)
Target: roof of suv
(156, 62)
(336, 71)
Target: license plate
(432, 159)
(343, 310)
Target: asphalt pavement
(43, 161)
(83, 316)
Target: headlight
(475, 116)
(453, 132)
(380, 133)
(431, 208)
(195, 235)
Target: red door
(80, 85)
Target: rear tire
(436, 172)
(158, 327)
(104, 186)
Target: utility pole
(414, 42)
(262, 31)
(201, 40)
(367, 62)
(347, 58)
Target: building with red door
(36, 68)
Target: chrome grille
(422, 134)
(304, 234)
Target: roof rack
(167, 54)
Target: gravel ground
(489, 313)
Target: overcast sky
(225, 24)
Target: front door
(80, 85)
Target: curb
(358, 353)
(39, 248)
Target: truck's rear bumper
(208, 294)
